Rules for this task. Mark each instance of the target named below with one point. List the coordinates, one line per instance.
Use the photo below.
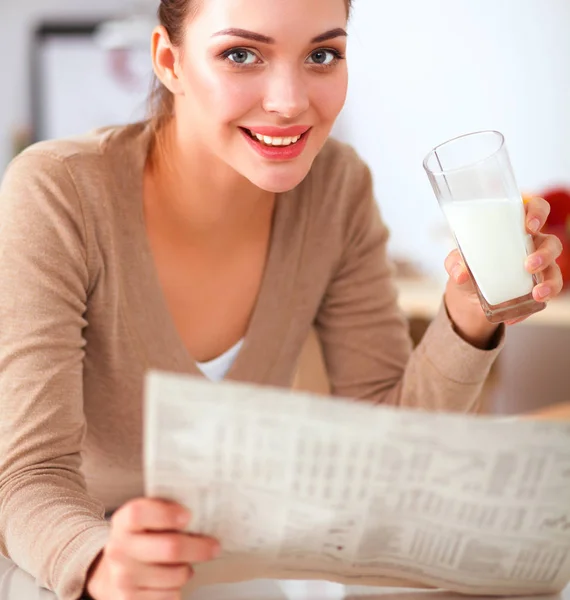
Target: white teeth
(276, 141)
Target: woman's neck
(194, 192)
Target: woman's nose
(286, 94)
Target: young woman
(210, 239)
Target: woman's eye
(323, 57)
(241, 56)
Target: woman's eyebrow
(264, 39)
(248, 35)
(329, 35)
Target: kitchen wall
(423, 72)
(17, 21)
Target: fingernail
(543, 291)
(183, 519)
(457, 271)
(534, 225)
(534, 262)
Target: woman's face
(270, 69)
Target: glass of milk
(474, 183)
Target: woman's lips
(277, 143)
(292, 131)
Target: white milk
(493, 240)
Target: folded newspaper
(298, 486)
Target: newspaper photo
(299, 486)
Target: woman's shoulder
(87, 179)
(89, 155)
(88, 144)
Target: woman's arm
(49, 525)
(364, 335)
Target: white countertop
(15, 584)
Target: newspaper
(307, 487)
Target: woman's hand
(461, 298)
(555, 412)
(148, 556)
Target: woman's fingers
(148, 554)
(169, 548)
(129, 575)
(548, 249)
(147, 514)
(516, 321)
(150, 531)
(551, 285)
(555, 412)
(456, 268)
(537, 211)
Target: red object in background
(558, 223)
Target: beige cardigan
(82, 318)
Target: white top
(217, 368)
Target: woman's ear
(166, 60)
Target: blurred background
(422, 71)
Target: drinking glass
(475, 186)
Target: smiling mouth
(274, 142)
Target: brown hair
(172, 15)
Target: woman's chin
(280, 180)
